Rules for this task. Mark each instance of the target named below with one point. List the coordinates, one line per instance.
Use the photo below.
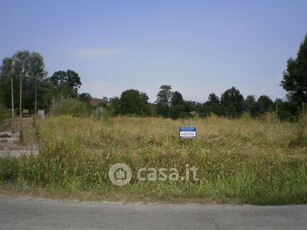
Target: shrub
(300, 137)
(3, 113)
(8, 170)
(69, 106)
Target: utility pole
(12, 96)
(35, 107)
(20, 97)
(12, 89)
(20, 90)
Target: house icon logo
(120, 174)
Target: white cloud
(95, 53)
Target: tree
(115, 105)
(27, 72)
(65, 83)
(232, 102)
(86, 98)
(265, 104)
(190, 106)
(295, 77)
(211, 106)
(177, 99)
(133, 102)
(214, 104)
(252, 106)
(213, 99)
(177, 112)
(6, 73)
(176, 105)
(164, 100)
(285, 110)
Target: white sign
(187, 132)
(41, 113)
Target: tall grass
(3, 114)
(238, 160)
(69, 106)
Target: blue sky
(197, 47)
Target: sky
(196, 46)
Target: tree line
(170, 104)
(24, 83)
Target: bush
(300, 126)
(8, 170)
(69, 106)
(3, 113)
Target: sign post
(187, 132)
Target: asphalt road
(33, 213)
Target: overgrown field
(238, 160)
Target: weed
(238, 160)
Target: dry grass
(241, 160)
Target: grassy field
(239, 160)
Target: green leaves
(28, 67)
(295, 77)
(65, 83)
(132, 102)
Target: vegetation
(31, 86)
(232, 103)
(247, 151)
(295, 78)
(163, 100)
(68, 106)
(238, 160)
(26, 69)
(27, 72)
(64, 83)
(3, 114)
(133, 102)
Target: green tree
(213, 99)
(115, 105)
(6, 73)
(265, 104)
(163, 100)
(232, 102)
(252, 106)
(214, 104)
(190, 106)
(133, 102)
(65, 83)
(211, 106)
(204, 110)
(177, 99)
(177, 111)
(176, 105)
(295, 77)
(27, 70)
(86, 98)
(285, 110)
